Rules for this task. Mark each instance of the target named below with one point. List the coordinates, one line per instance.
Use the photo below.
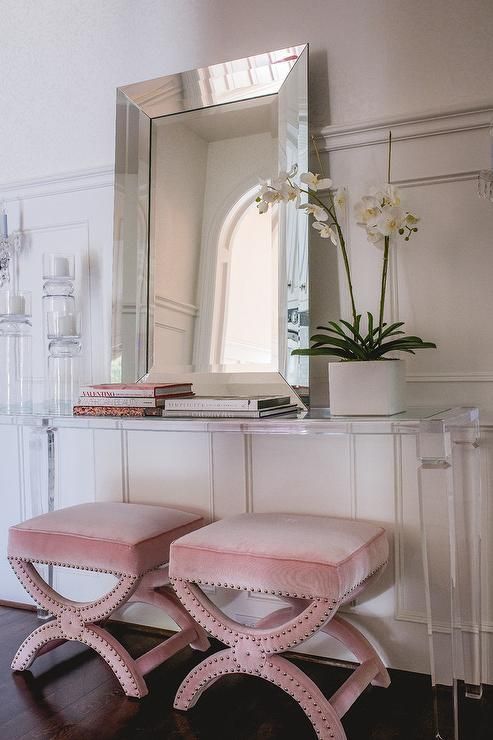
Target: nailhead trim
(88, 613)
(84, 567)
(310, 706)
(254, 589)
(54, 606)
(215, 672)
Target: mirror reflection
(203, 283)
(215, 272)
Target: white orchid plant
(380, 213)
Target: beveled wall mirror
(201, 282)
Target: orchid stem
(384, 285)
(318, 156)
(331, 211)
(386, 250)
(389, 157)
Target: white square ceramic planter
(375, 388)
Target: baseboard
(18, 605)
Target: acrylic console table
(448, 484)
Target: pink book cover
(134, 390)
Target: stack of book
(224, 407)
(133, 399)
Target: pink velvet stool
(315, 564)
(130, 541)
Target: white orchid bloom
(388, 195)
(374, 236)
(325, 231)
(392, 195)
(390, 220)
(289, 192)
(319, 213)
(411, 219)
(279, 181)
(377, 193)
(264, 188)
(366, 210)
(340, 198)
(314, 182)
(271, 196)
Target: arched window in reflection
(245, 306)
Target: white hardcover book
(230, 413)
(219, 403)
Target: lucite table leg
(449, 499)
(467, 511)
(42, 481)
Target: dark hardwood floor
(71, 694)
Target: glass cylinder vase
(64, 349)
(58, 286)
(15, 352)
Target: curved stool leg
(118, 659)
(276, 670)
(297, 684)
(154, 589)
(35, 642)
(253, 651)
(83, 622)
(359, 646)
(202, 676)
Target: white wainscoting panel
(68, 214)
(174, 325)
(439, 284)
(173, 469)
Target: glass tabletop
(317, 420)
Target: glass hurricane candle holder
(58, 289)
(58, 286)
(15, 352)
(58, 267)
(63, 325)
(64, 348)
(15, 303)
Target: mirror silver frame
(137, 107)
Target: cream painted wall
(60, 62)
(179, 165)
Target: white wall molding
(168, 327)
(177, 306)
(248, 472)
(124, 467)
(350, 136)
(412, 182)
(483, 377)
(210, 449)
(66, 182)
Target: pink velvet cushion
(309, 556)
(117, 537)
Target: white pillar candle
(66, 326)
(4, 225)
(12, 304)
(60, 267)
